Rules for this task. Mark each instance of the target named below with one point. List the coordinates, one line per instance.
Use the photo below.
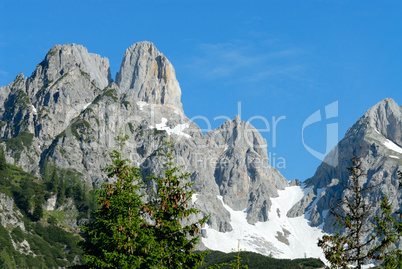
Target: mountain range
(63, 119)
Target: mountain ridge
(375, 139)
(74, 121)
(64, 118)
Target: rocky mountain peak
(147, 75)
(64, 118)
(376, 140)
(62, 59)
(386, 118)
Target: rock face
(376, 139)
(42, 106)
(147, 75)
(10, 217)
(67, 114)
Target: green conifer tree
(169, 211)
(51, 183)
(353, 214)
(61, 192)
(388, 228)
(118, 237)
(3, 162)
(37, 213)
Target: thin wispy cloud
(263, 67)
(245, 61)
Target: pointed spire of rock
(148, 76)
(385, 117)
(237, 119)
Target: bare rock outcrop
(66, 115)
(148, 76)
(376, 139)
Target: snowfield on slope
(392, 146)
(178, 130)
(280, 236)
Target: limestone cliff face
(147, 75)
(242, 172)
(42, 106)
(376, 139)
(67, 114)
(10, 217)
(60, 60)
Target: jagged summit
(62, 59)
(386, 118)
(71, 112)
(149, 76)
(65, 117)
(376, 139)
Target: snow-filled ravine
(280, 236)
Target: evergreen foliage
(118, 237)
(389, 228)
(53, 246)
(169, 211)
(357, 246)
(17, 144)
(234, 263)
(27, 192)
(257, 261)
(3, 163)
(352, 213)
(66, 184)
(37, 213)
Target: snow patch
(194, 198)
(392, 156)
(85, 107)
(368, 266)
(280, 236)
(178, 130)
(34, 110)
(392, 146)
(141, 104)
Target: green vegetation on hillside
(17, 144)
(258, 261)
(128, 232)
(78, 127)
(44, 243)
(27, 192)
(66, 184)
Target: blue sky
(276, 58)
